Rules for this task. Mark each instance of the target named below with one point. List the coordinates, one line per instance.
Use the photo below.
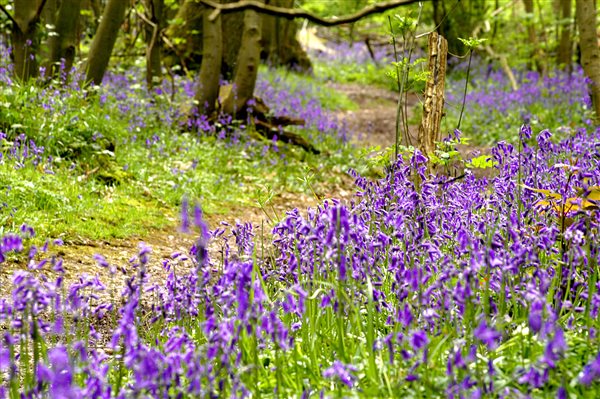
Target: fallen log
(271, 126)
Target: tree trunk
(210, 70)
(433, 107)
(279, 43)
(564, 57)
(104, 40)
(590, 52)
(63, 44)
(278, 38)
(247, 65)
(154, 13)
(533, 41)
(457, 19)
(50, 12)
(185, 38)
(24, 37)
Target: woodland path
(373, 123)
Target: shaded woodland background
(182, 37)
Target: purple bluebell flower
(341, 371)
(487, 335)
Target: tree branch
(38, 13)
(10, 17)
(288, 13)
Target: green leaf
(481, 162)
(472, 42)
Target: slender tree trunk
(564, 57)
(104, 40)
(24, 37)
(279, 43)
(50, 12)
(247, 64)
(590, 52)
(533, 40)
(433, 107)
(210, 69)
(63, 44)
(154, 13)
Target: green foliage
(481, 162)
(117, 170)
(417, 74)
(367, 74)
(333, 7)
(69, 127)
(472, 43)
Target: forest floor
(372, 124)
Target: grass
(59, 208)
(118, 162)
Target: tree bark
(433, 107)
(564, 57)
(50, 12)
(247, 65)
(104, 40)
(533, 41)
(590, 52)
(154, 13)
(186, 46)
(279, 43)
(63, 44)
(210, 70)
(24, 37)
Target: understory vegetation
(122, 158)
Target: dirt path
(374, 122)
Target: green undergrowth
(312, 83)
(104, 174)
(365, 74)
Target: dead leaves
(586, 199)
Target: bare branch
(288, 13)
(10, 17)
(504, 65)
(38, 13)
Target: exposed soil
(374, 122)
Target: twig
(504, 65)
(451, 180)
(172, 47)
(38, 13)
(10, 17)
(298, 13)
(155, 32)
(410, 52)
(462, 109)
